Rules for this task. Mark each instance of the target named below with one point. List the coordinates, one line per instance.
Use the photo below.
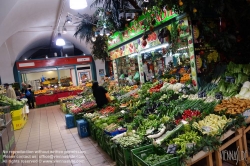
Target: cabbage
(247, 95)
(243, 91)
(246, 85)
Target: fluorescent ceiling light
(154, 48)
(25, 59)
(60, 41)
(78, 4)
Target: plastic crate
(139, 154)
(70, 121)
(109, 146)
(114, 133)
(123, 155)
(82, 128)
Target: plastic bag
(27, 110)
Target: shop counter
(46, 99)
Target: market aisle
(45, 130)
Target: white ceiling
(26, 25)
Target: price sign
(207, 129)
(246, 113)
(172, 149)
(190, 145)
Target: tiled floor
(46, 131)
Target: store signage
(83, 59)
(136, 28)
(26, 64)
(53, 62)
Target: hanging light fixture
(46, 57)
(68, 19)
(66, 55)
(78, 4)
(60, 41)
(64, 30)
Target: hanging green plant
(86, 27)
(100, 48)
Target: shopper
(18, 93)
(29, 95)
(24, 88)
(10, 93)
(100, 95)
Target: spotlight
(93, 38)
(60, 41)
(55, 54)
(25, 59)
(66, 55)
(46, 57)
(68, 19)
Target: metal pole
(58, 75)
(76, 75)
(19, 79)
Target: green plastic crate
(109, 146)
(139, 154)
(123, 155)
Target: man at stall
(10, 92)
(100, 94)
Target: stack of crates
(109, 146)
(19, 118)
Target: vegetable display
(186, 140)
(211, 124)
(107, 110)
(154, 159)
(233, 106)
(129, 141)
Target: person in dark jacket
(99, 93)
(18, 93)
(29, 95)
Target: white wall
(99, 64)
(48, 74)
(6, 67)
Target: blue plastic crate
(70, 122)
(113, 133)
(82, 127)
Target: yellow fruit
(194, 10)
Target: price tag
(207, 129)
(246, 113)
(190, 145)
(172, 149)
(228, 79)
(232, 80)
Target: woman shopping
(100, 95)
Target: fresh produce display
(188, 115)
(131, 140)
(211, 124)
(185, 140)
(156, 88)
(233, 106)
(88, 105)
(57, 90)
(107, 110)
(174, 117)
(14, 104)
(154, 159)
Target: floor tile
(46, 133)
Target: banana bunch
(211, 124)
(213, 56)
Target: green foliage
(100, 48)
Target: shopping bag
(27, 110)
